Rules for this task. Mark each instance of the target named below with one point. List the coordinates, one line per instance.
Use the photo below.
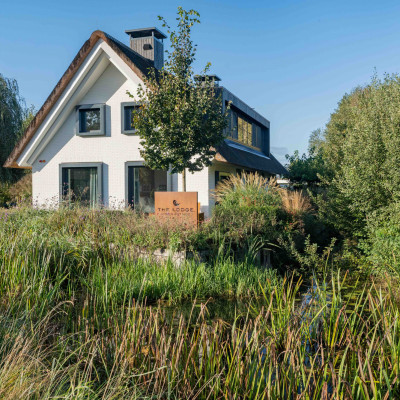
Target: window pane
(80, 185)
(247, 132)
(221, 176)
(128, 117)
(256, 142)
(142, 183)
(258, 137)
(246, 136)
(233, 124)
(240, 129)
(89, 120)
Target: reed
(81, 320)
(336, 343)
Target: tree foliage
(362, 154)
(180, 121)
(13, 119)
(305, 169)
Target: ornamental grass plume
(248, 205)
(295, 202)
(245, 186)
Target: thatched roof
(135, 61)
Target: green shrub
(248, 205)
(21, 191)
(383, 242)
(5, 195)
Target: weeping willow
(14, 117)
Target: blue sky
(290, 60)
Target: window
(244, 130)
(81, 184)
(257, 136)
(233, 124)
(221, 176)
(90, 120)
(127, 113)
(142, 183)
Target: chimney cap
(214, 78)
(144, 32)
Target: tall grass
(249, 205)
(79, 319)
(295, 202)
(335, 344)
(40, 253)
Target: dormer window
(127, 113)
(90, 120)
(243, 129)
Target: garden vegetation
(88, 311)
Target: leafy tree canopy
(362, 154)
(180, 122)
(14, 119)
(305, 169)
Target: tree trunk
(184, 180)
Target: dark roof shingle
(243, 156)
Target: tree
(180, 121)
(362, 154)
(13, 117)
(305, 169)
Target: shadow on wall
(106, 195)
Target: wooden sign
(181, 206)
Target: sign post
(181, 206)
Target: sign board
(181, 206)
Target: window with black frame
(221, 176)
(244, 130)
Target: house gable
(66, 147)
(92, 59)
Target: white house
(82, 141)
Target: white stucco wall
(114, 150)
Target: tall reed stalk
(80, 321)
(329, 343)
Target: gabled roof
(139, 65)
